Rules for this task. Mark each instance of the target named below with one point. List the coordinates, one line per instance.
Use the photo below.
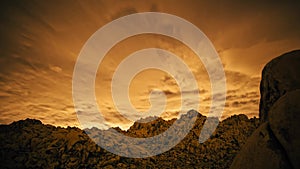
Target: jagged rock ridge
(31, 144)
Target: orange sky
(40, 42)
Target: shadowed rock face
(261, 151)
(31, 144)
(276, 143)
(279, 76)
(284, 121)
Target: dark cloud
(254, 94)
(154, 8)
(241, 103)
(169, 92)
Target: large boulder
(275, 144)
(261, 151)
(284, 121)
(279, 76)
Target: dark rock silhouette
(284, 122)
(31, 144)
(261, 151)
(276, 143)
(279, 76)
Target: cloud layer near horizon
(40, 42)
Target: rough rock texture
(279, 76)
(284, 121)
(31, 144)
(275, 144)
(261, 151)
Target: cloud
(40, 42)
(41, 94)
(56, 69)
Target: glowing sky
(40, 42)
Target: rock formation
(276, 143)
(31, 144)
(279, 76)
(284, 122)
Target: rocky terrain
(272, 141)
(31, 144)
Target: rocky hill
(31, 144)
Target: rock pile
(31, 144)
